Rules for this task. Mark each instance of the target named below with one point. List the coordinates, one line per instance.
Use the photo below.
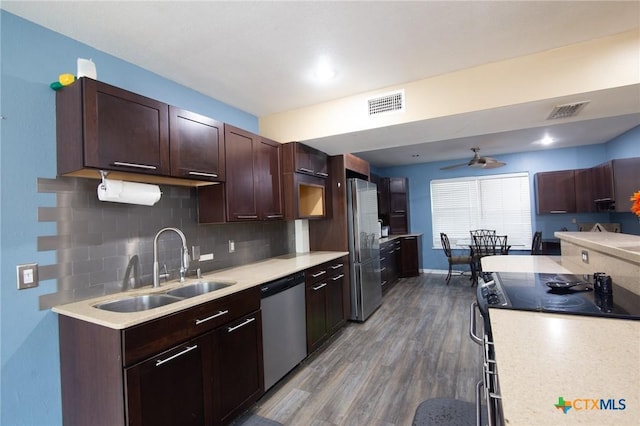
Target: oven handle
(479, 387)
(472, 324)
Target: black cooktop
(559, 293)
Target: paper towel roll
(117, 191)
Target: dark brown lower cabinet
(172, 388)
(325, 289)
(409, 257)
(198, 366)
(237, 358)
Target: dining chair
(481, 233)
(536, 244)
(456, 260)
(500, 245)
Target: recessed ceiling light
(324, 71)
(415, 155)
(547, 140)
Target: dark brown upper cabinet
(197, 146)
(100, 126)
(301, 158)
(393, 205)
(556, 192)
(606, 187)
(305, 181)
(253, 186)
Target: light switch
(27, 275)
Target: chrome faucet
(184, 258)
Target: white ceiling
(259, 57)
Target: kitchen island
(545, 358)
(541, 357)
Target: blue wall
(420, 176)
(32, 58)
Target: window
(500, 202)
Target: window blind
(500, 202)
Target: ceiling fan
(478, 162)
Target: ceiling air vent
(389, 102)
(567, 110)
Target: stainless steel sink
(197, 289)
(138, 303)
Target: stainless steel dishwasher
(284, 326)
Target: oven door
(489, 384)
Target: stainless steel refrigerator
(364, 248)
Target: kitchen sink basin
(138, 303)
(197, 289)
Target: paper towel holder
(104, 184)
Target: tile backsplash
(97, 241)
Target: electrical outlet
(195, 252)
(27, 275)
(232, 246)
(585, 256)
(207, 256)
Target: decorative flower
(635, 208)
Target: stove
(556, 293)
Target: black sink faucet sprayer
(184, 259)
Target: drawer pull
(319, 287)
(188, 349)
(323, 174)
(318, 274)
(382, 258)
(305, 170)
(274, 216)
(337, 266)
(337, 277)
(247, 321)
(219, 314)
(252, 216)
(212, 175)
(137, 166)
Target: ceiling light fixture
(323, 71)
(547, 140)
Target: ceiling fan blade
(454, 166)
(494, 164)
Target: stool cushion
(445, 412)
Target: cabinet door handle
(383, 269)
(247, 321)
(323, 174)
(382, 258)
(399, 211)
(318, 274)
(274, 216)
(213, 175)
(253, 216)
(319, 287)
(337, 266)
(558, 211)
(219, 314)
(188, 349)
(408, 238)
(336, 278)
(137, 166)
(304, 169)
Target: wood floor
(415, 347)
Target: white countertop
(383, 240)
(624, 246)
(241, 277)
(525, 263)
(542, 357)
